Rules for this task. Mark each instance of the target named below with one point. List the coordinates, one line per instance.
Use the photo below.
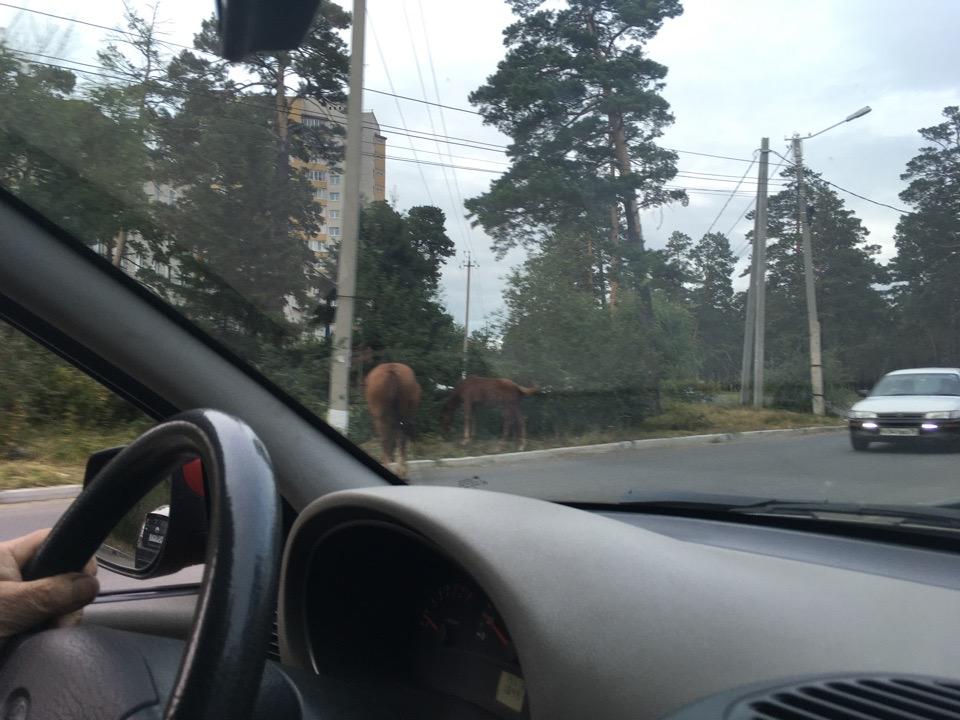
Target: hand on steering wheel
(27, 604)
(113, 674)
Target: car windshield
(918, 384)
(570, 249)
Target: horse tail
(392, 397)
(528, 391)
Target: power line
(403, 121)
(736, 187)
(422, 102)
(746, 242)
(443, 126)
(372, 90)
(458, 222)
(849, 192)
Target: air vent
(854, 698)
(273, 649)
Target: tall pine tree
(927, 265)
(581, 102)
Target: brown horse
(393, 397)
(491, 391)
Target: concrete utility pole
(469, 265)
(813, 320)
(760, 253)
(746, 362)
(338, 414)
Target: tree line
(195, 170)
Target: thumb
(24, 605)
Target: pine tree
(927, 266)
(581, 101)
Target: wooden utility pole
(338, 414)
(469, 265)
(760, 255)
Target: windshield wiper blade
(938, 516)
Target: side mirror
(164, 532)
(249, 26)
(863, 392)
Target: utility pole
(746, 362)
(338, 414)
(760, 253)
(813, 321)
(466, 315)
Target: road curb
(645, 444)
(53, 492)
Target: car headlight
(941, 415)
(861, 414)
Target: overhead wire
(746, 242)
(849, 192)
(443, 127)
(465, 240)
(403, 121)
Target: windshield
(581, 249)
(918, 384)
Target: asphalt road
(788, 467)
(21, 518)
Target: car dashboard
(427, 602)
(444, 602)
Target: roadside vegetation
(626, 333)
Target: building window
(333, 214)
(334, 179)
(312, 121)
(320, 194)
(318, 175)
(334, 232)
(335, 196)
(315, 245)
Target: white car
(908, 405)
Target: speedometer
(464, 648)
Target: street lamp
(813, 322)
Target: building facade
(327, 181)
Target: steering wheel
(96, 672)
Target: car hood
(913, 404)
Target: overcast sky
(738, 70)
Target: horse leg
(380, 428)
(402, 454)
(505, 432)
(521, 423)
(467, 422)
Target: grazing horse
(491, 391)
(393, 397)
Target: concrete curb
(645, 444)
(66, 492)
(53, 492)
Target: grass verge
(677, 421)
(56, 456)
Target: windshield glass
(655, 246)
(918, 384)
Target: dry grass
(58, 457)
(676, 421)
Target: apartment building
(327, 181)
